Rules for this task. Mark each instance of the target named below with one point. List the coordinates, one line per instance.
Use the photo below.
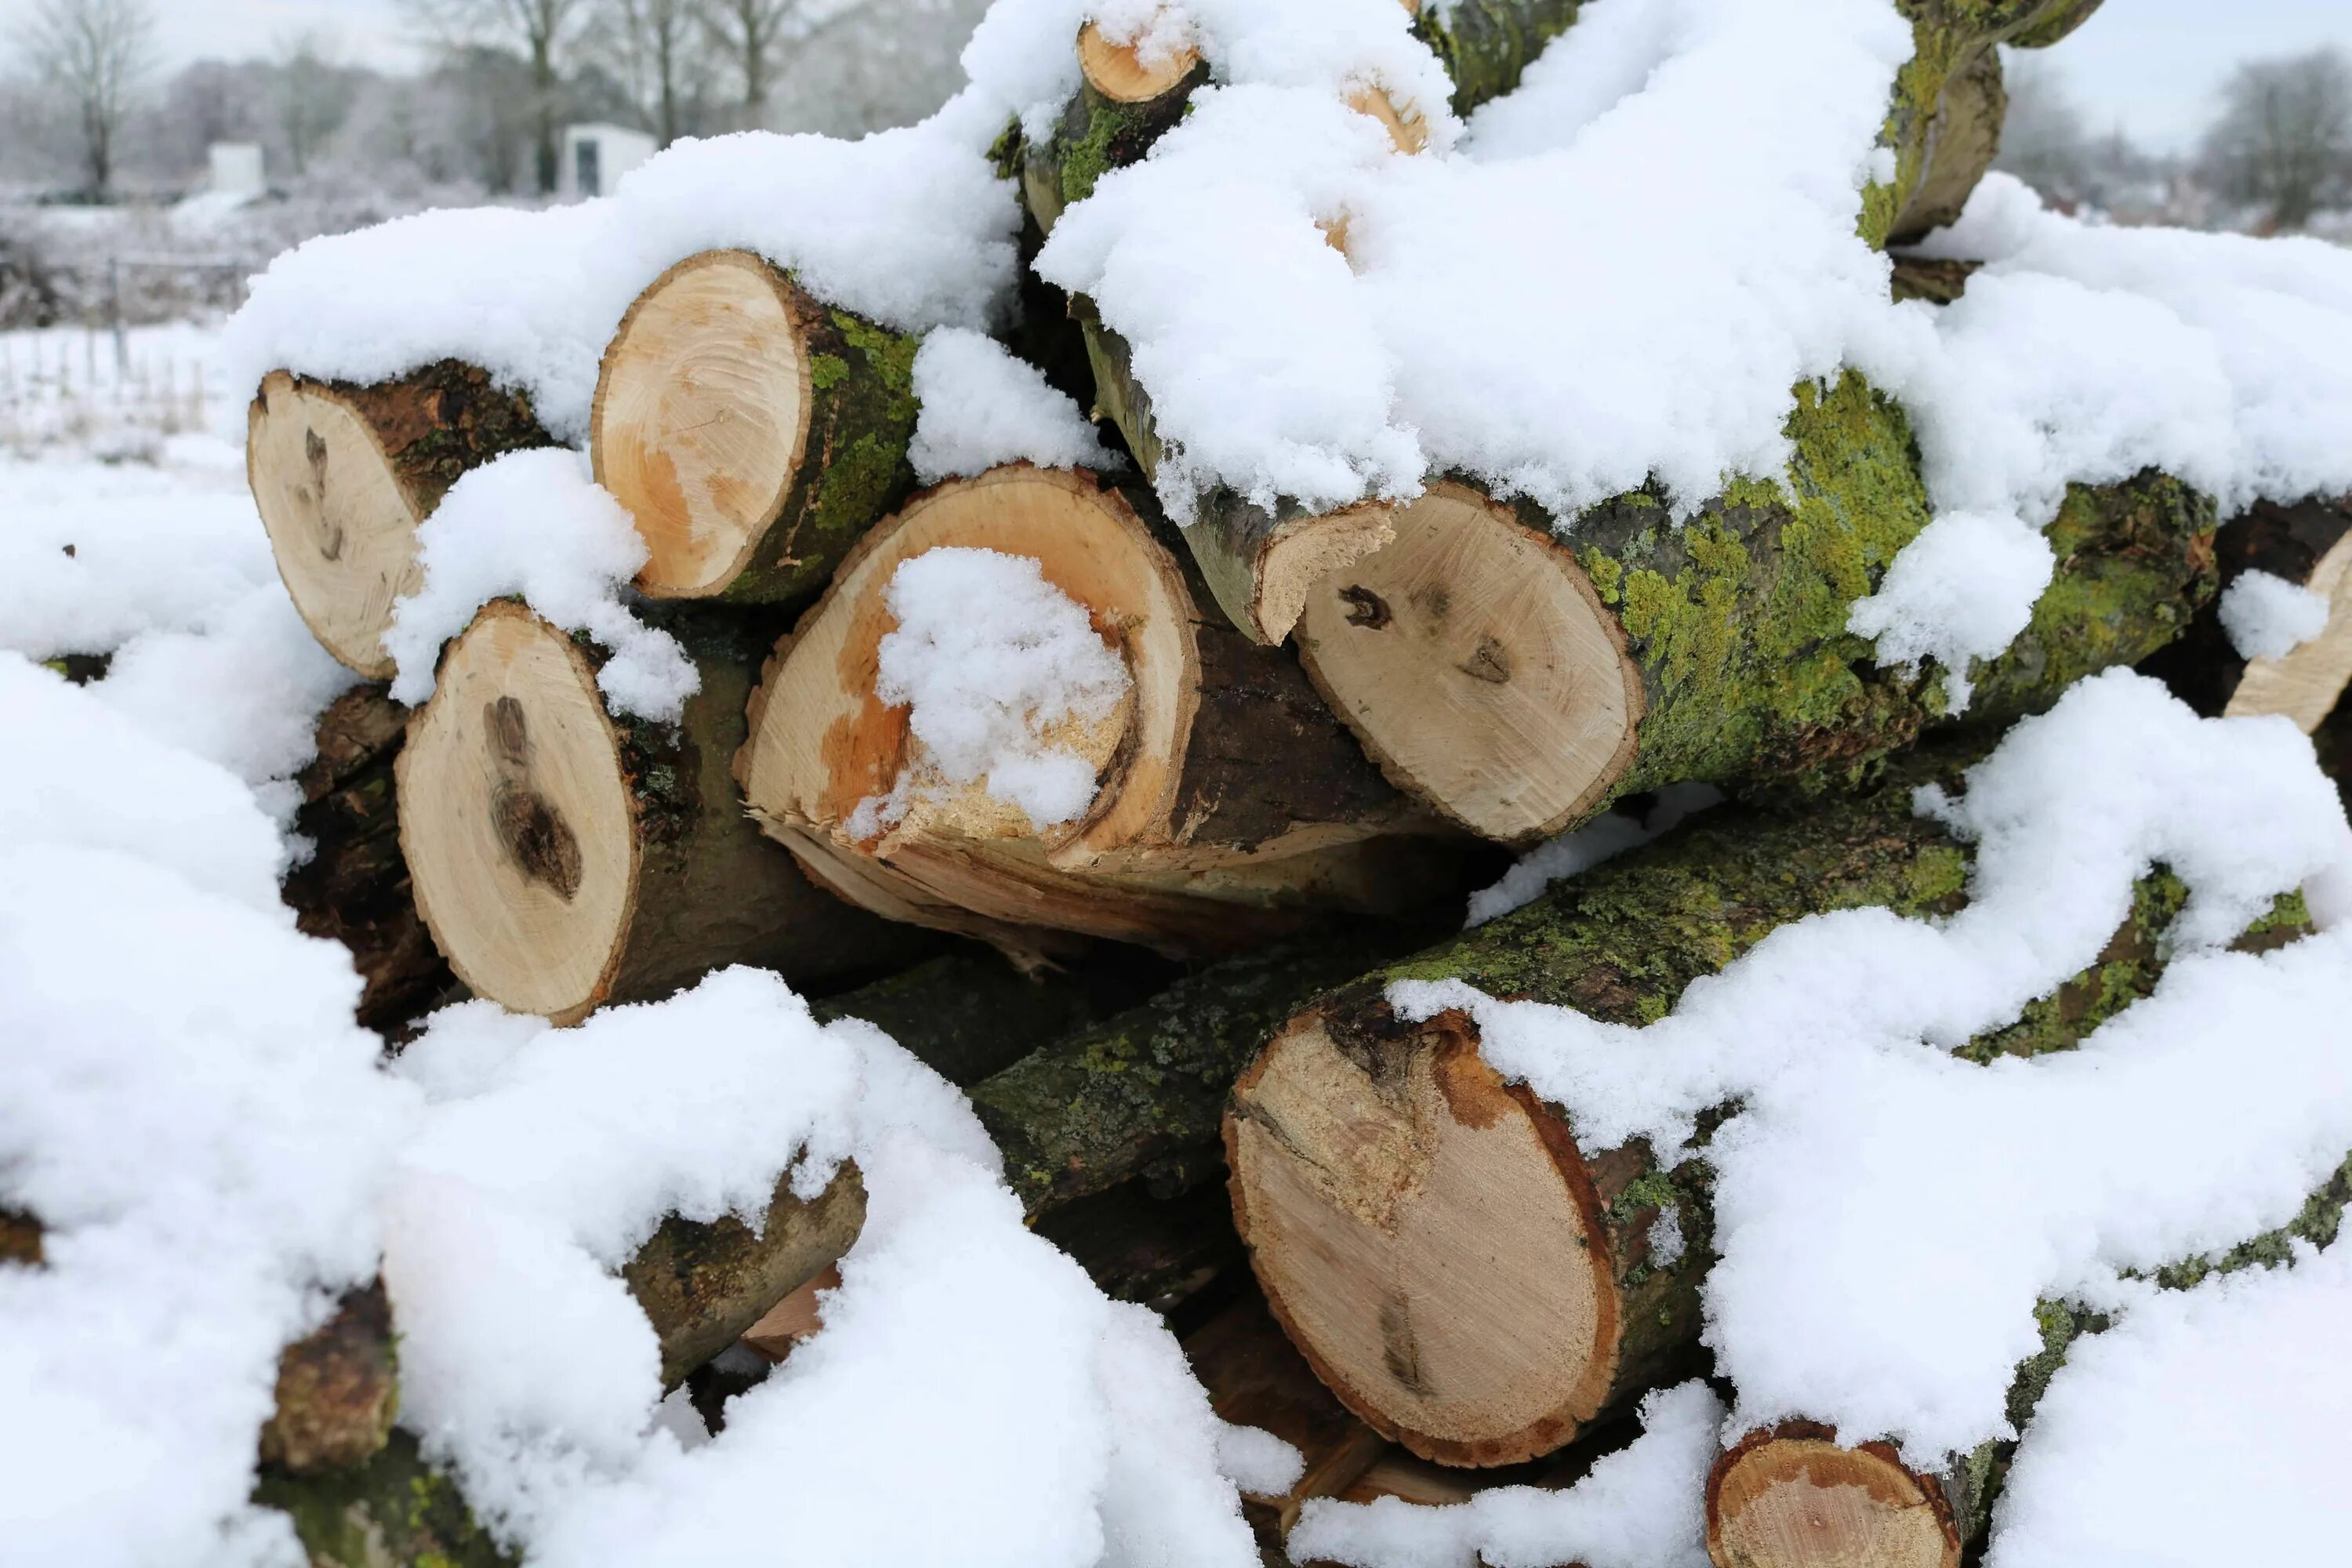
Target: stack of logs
(1339, 723)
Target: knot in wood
(1365, 608)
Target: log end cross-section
(1430, 1238)
(1790, 1496)
(1474, 659)
(1121, 73)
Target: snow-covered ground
(78, 389)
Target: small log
(342, 476)
(1518, 681)
(354, 887)
(1230, 802)
(751, 430)
(1464, 1272)
(967, 1013)
(1791, 1495)
(564, 856)
(2308, 544)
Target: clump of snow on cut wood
(533, 523)
(2267, 617)
(982, 406)
(1574, 853)
(1959, 592)
(1965, 1193)
(2207, 1427)
(189, 1109)
(998, 668)
(1638, 1508)
(527, 1366)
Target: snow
(2267, 617)
(532, 523)
(527, 1366)
(1638, 1508)
(996, 667)
(982, 406)
(1965, 1193)
(1961, 590)
(2206, 1428)
(1576, 852)
(187, 1105)
(907, 226)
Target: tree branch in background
(747, 32)
(95, 52)
(662, 50)
(543, 31)
(2284, 139)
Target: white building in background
(596, 156)
(238, 169)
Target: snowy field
(217, 1150)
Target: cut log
(564, 857)
(751, 430)
(342, 475)
(1467, 1274)
(1230, 802)
(1487, 44)
(2308, 544)
(1259, 564)
(355, 889)
(1791, 1495)
(1944, 126)
(1518, 682)
(394, 1511)
(337, 1391)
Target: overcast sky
(2150, 65)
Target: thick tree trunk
(1519, 681)
(1790, 1496)
(564, 856)
(753, 431)
(342, 475)
(2308, 544)
(1230, 802)
(355, 889)
(1465, 1273)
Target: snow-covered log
(752, 430)
(1791, 1495)
(1462, 1270)
(1204, 795)
(355, 889)
(342, 475)
(565, 854)
(2279, 637)
(1519, 681)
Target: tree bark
(2308, 544)
(342, 475)
(1791, 1495)
(753, 431)
(1487, 44)
(1231, 803)
(355, 889)
(1519, 681)
(1464, 1271)
(564, 856)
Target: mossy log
(1791, 1495)
(2308, 544)
(1519, 680)
(1487, 44)
(1231, 804)
(751, 430)
(354, 887)
(1465, 1274)
(564, 856)
(1944, 125)
(342, 475)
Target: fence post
(114, 316)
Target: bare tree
(94, 52)
(311, 99)
(751, 33)
(660, 47)
(542, 31)
(2284, 138)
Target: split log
(1229, 804)
(1464, 1271)
(2308, 544)
(750, 429)
(354, 887)
(564, 856)
(1791, 1495)
(342, 475)
(1519, 681)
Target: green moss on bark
(1486, 45)
(394, 1511)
